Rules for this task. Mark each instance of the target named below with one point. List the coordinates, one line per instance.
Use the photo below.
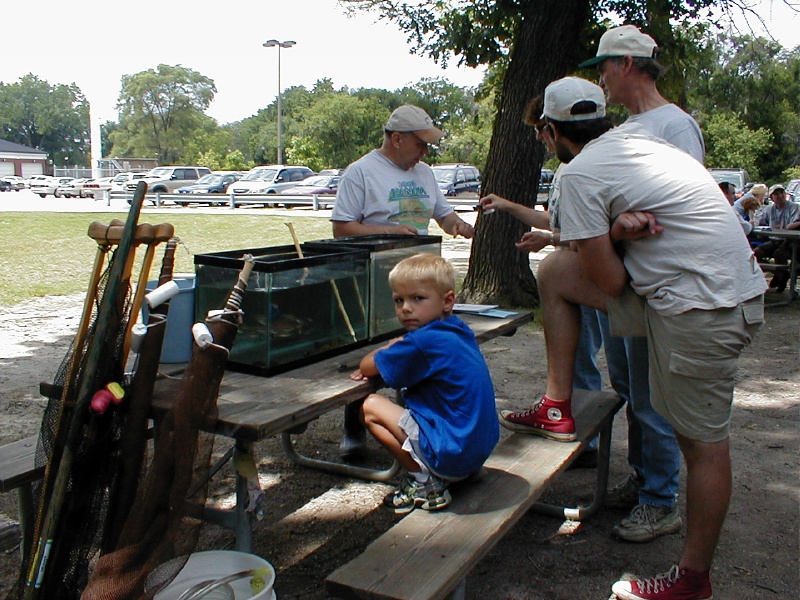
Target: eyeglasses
(419, 142)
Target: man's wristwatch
(552, 239)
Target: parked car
(267, 179)
(213, 183)
(738, 177)
(94, 188)
(322, 185)
(120, 180)
(5, 186)
(793, 190)
(35, 178)
(166, 180)
(71, 189)
(45, 187)
(457, 179)
(17, 183)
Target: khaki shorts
(411, 444)
(693, 361)
(626, 314)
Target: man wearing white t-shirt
(388, 192)
(686, 279)
(626, 62)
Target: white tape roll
(137, 335)
(202, 336)
(162, 293)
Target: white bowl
(215, 564)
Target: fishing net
(133, 506)
(85, 496)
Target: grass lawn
(46, 254)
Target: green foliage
(338, 129)
(731, 144)
(791, 173)
(759, 82)
(235, 161)
(159, 109)
(468, 138)
(53, 118)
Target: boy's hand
(357, 375)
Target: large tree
(159, 109)
(53, 118)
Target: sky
(94, 43)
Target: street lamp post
(286, 44)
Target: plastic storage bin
(177, 345)
(296, 310)
(385, 251)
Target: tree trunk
(545, 49)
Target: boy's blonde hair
(426, 268)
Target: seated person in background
(758, 192)
(781, 214)
(449, 426)
(729, 190)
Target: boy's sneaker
(547, 418)
(646, 522)
(677, 584)
(625, 494)
(431, 495)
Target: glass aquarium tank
(296, 310)
(385, 251)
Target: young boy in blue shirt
(449, 425)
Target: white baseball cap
(626, 40)
(776, 187)
(409, 118)
(561, 96)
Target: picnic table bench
(428, 555)
(18, 471)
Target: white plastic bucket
(215, 564)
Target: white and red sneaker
(546, 418)
(675, 584)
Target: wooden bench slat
(440, 548)
(18, 463)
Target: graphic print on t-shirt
(410, 208)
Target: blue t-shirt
(448, 390)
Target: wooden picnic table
(253, 408)
(793, 237)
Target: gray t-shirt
(675, 126)
(375, 191)
(701, 260)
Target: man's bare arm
(602, 264)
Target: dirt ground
(316, 522)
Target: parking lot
(27, 201)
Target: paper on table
(473, 308)
(497, 313)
